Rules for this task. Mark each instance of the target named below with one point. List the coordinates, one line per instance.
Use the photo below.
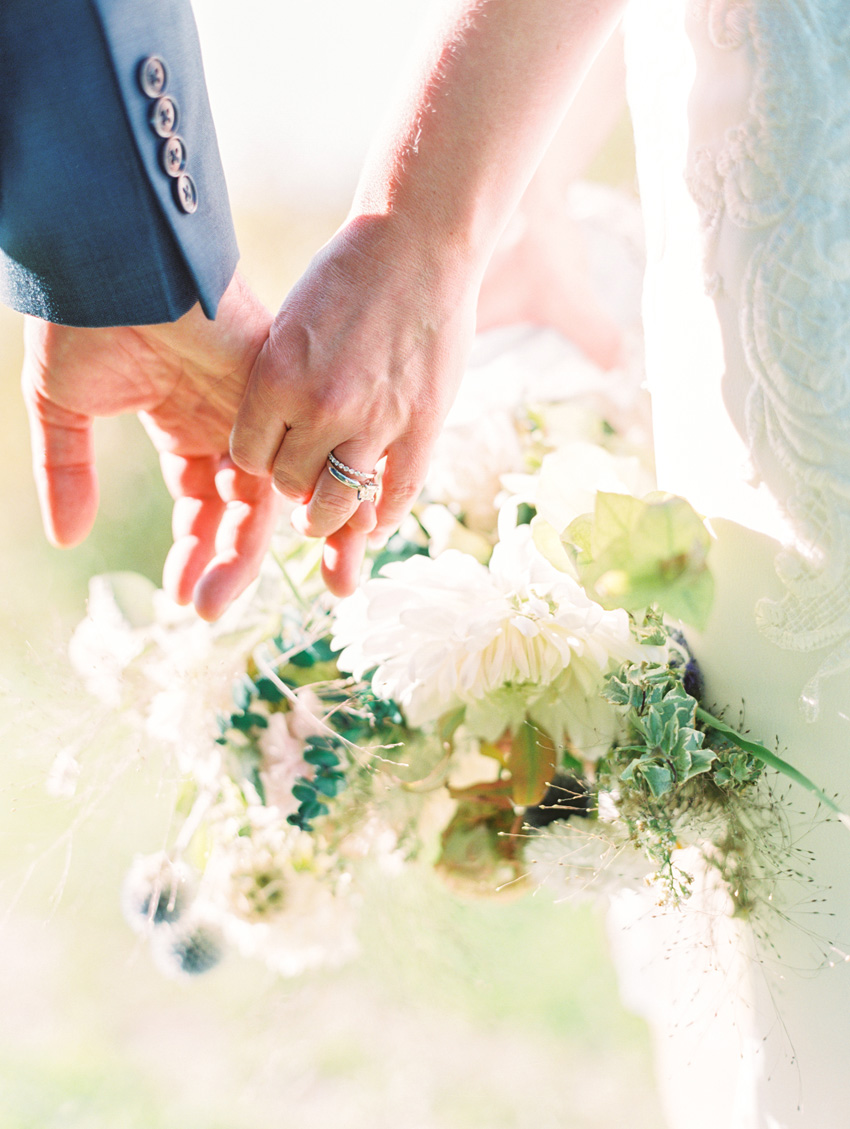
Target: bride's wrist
(445, 261)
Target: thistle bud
(156, 892)
(188, 949)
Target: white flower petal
(447, 630)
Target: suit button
(163, 116)
(172, 155)
(152, 76)
(186, 193)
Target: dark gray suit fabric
(90, 230)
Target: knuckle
(329, 404)
(400, 489)
(245, 457)
(289, 485)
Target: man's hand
(364, 360)
(186, 380)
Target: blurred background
(456, 1015)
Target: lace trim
(785, 173)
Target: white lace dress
(742, 121)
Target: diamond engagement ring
(367, 489)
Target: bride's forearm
(368, 349)
(454, 160)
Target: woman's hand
(363, 359)
(367, 351)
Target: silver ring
(366, 491)
(369, 475)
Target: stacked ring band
(369, 475)
(366, 491)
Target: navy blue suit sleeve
(92, 228)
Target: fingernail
(298, 520)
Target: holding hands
(331, 373)
(328, 374)
(365, 356)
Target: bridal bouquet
(507, 699)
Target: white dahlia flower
(449, 632)
(469, 458)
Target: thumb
(63, 467)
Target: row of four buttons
(163, 117)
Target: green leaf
(614, 518)
(302, 674)
(312, 810)
(628, 773)
(532, 760)
(681, 760)
(398, 548)
(381, 710)
(548, 543)
(691, 600)
(449, 723)
(659, 778)
(329, 785)
(772, 760)
(617, 690)
(243, 692)
(322, 741)
(323, 650)
(245, 722)
(642, 552)
(304, 792)
(322, 758)
(268, 691)
(257, 781)
(318, 652)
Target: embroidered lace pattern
(784, 174)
